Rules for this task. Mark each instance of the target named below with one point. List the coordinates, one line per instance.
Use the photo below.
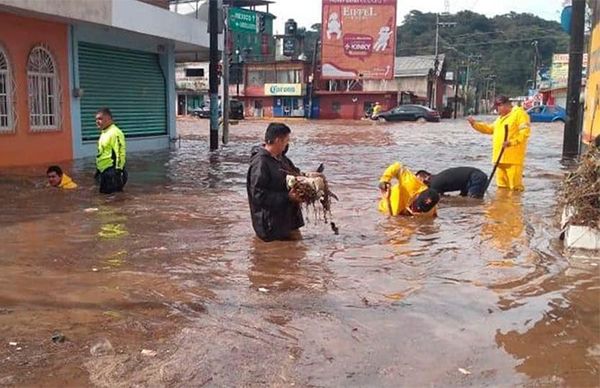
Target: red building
(274, 89)
(351, 105)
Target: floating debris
(149, 353)
(58, 338)
(464, 371)
(580, 190)
(508, 263)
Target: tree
(502, 42)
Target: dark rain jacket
(274, 216)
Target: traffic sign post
(242, 20)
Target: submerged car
(547, 114)
(411, 113)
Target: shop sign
(283, 90)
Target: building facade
(62, 60)
(34, 91)
(192, 81)
(275, 89)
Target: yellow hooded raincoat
(510, 168)
(67, 183)
(403, 193)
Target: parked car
(411, 113)
(236, 111)
(202, 112)
(547, 114)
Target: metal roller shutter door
(130, 83)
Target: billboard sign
(358, 39)
(559, 73)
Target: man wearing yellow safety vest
(110, 161)
(408, 197)
(514, 142)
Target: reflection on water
(504, 224)
(172, 265)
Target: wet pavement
(484, 295)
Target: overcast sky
(308, 12)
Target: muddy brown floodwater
(484, 295)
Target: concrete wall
(267, 103)
(134, 16)
(352, 106)
(129, 15)
(118, 38)
(417, 85)
(18, 35)
(95, 11)
(198, 84)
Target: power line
(492, 42)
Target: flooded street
(483, 295)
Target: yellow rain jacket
(518, 134)
(67, 183)
(376, 110)
(111, 149)
(402, 193)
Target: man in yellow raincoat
(509, 174)
(409, 196)
(58, 179)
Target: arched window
(6, 96)
(44, 99)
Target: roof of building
(417, 65)
(233, 3)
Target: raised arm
(480, 126)
(393, 171)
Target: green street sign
(242, 20)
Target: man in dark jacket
(469, 181)
(275, 210)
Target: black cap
(426, 201)
(501, 100)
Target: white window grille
(6, 97)
(42, 78)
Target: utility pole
(572, 133)
(466, 88)
(213, 18)
(237, 72)
(226, 54)
(456, 83)
(535, 63)
(436, 62)
(313, 78)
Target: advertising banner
(358, 39)
(283, 90)
(591, 123)
(559, 73)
